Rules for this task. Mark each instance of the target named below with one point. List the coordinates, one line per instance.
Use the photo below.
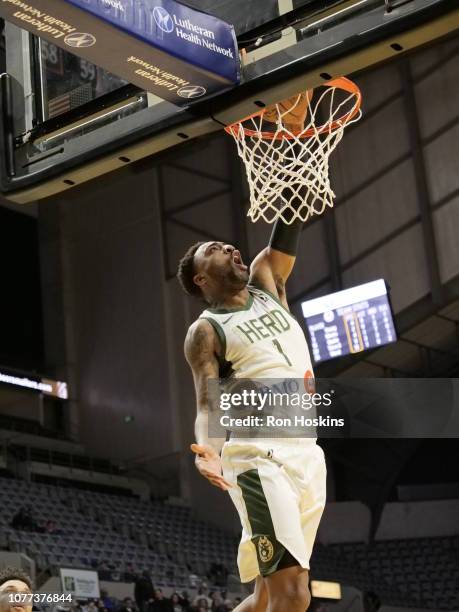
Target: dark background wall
(21, 329)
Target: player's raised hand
(209, 465)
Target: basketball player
(15, 583)
(277, 485)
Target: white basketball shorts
(279, 490)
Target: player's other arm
(201, 350)
(272, 266)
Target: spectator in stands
(202, 595)
(128, 606)
(193, 580)
(24, 520)
(32, 523)
(218, 574)
(104, 571)
(143, 591)
(108, 601)
(218, 604)
(100, 606)
(371, 602)
(91, 606)
(13, 580)
(177, 605)
(130, 574)
(51, 528)
(18, 519)
(185, 600)
(160, 603)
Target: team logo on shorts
(265, 549)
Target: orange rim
(340, 82)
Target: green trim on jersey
(221, 335)
(225, 368)
(274, 297)
(247, 306)
(269, 550)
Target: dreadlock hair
(15, 573)
(186, 271)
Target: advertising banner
(54, 388)
(163, 47)
(81, 584)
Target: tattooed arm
(201, 351)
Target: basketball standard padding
(163, 47)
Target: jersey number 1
(279, 348)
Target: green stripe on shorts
(269, 550)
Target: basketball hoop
(288, 167)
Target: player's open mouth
(238, 262)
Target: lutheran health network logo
(163, 19)
(187, 30)
(196, 35)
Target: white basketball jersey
(261, 339)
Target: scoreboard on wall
(349, 321)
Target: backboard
(59, 111)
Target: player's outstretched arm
(272, 266)
(201, 348)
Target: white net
(288, 168)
